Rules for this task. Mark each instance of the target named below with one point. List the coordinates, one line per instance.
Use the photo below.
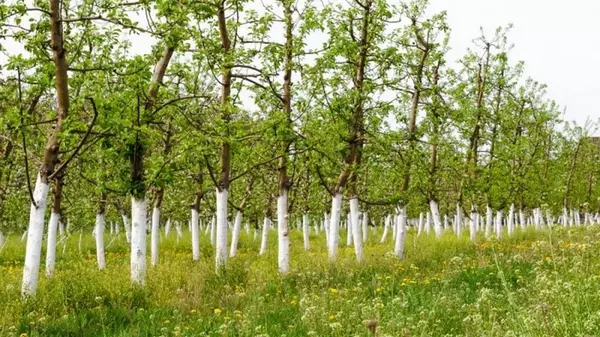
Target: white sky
(558, 40)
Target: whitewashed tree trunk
(154, 238)
(195, 235)
(51, 243)
(221, 230)
(427, 223)
(99, 235)
(499, 225)
(511, 220)
(386, 228)
(565, 218)
(446, 222)
(305, 231)
(80, 239)
(400, 234)
(459, 220)
(394, 223)
(336, 204)
(365, 226)
(265, 235)
(283, 232)
(325, 228)
(213, 230)
(489, 223)
(235, 236)
(1, 240)
(61, 229)
(356, 229)
(473, 226)
(421, 224)
(435, 214)
(349, 231)
(127, 227)
(168, 227)
(178, 230)
(138, 241)
(35, 232)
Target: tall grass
(532, 284)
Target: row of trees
(253, 107)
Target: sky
(558, 40)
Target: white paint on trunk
(235, 236)
(221, 230)
(394, 223)
(473, 226)
(168, 227)
(283, 233)
(35, 234)
(565, 218)
(356, 229)
(138, 241)
(459, 219)
(400, 234)
(365, 226)
(80, 240)
(305, 231)
(428, 223)
(154, 238)
(99, 236)
(510, 222)
(499, 225)
(61, 228)
(421, 224)
(386, 228)
(213, 231)
(127, 227)
(265, 235)
(489, 222)
(336, 204)
(178, 230)
(195, 235)
(435, 214)
(349, 239)
(51, 243)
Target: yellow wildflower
(218, 311)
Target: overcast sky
(558, 40)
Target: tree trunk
(53, 226)
(400, 234)
(354, 223)
(237, 226)
(306, 231)
(50, 157)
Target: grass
(532, 284)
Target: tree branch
(80, 145)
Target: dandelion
(331, 316)
(333, 291)
(193, 311)
(218, 311)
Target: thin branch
(210, 171)
(80, 145)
